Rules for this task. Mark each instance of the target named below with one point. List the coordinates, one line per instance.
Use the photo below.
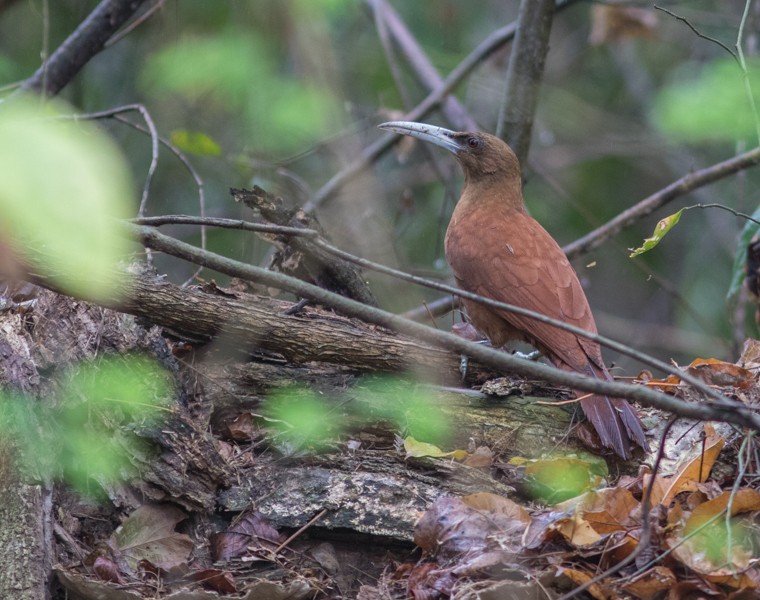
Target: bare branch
(421, 66)
(76, 51)
(456, 293)
(524, 73)
(678, 188)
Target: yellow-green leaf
(660, 230)
(417, 449)
(195, 142)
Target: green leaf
(195, 142)
(88, 436)
(64, 185)
(411, 407)
(660, 230)
(750, 230)
(302, 418)
(553, 480)
(711, 105)
(240, 75)
(416, 449)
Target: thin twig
(224, 223)
(723, 207)
(678, 188)
(697, 32)
(316, 518)
(120, 35)
(113, 112)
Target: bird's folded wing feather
(524, 266)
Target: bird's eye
(473, 142)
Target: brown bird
(497, 250)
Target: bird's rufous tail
(615, 420)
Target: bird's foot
(534, 356)
(464, 361)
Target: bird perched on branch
(497, 250)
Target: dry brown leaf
(606, 510)
(497, 505)
(650, 584)
(455, 526)
(721, 551)
(597, 590)
(744, 500)
(614, 23)
(696, 470)
(722, 374)
(577, 531)
(482, 457)
(148, 534)
(252, 530)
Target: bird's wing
(516, 261)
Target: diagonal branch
(321, 243)
(83, 44)
(719, 411)
(421, 66)
(524, 74)
(678, 188)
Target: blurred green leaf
(87, 436)
(412, 408)
(64, 185)
(239, 74)
(302, 418)
(711, 106)
(738, 272)
(195, 142)
(660, 230)
(553, 480)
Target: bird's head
(481, 155)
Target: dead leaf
(719, 550)
(457, 526)
(614, 23)
(220, 581)
(148, 534)
(242, 428)
(745, 500)
(597, 590)
(651, 583)
(106, 570)
(251, 530)
(695, 470)
(497, 507)
(722, 374)
(577, 531)
(482, 457)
